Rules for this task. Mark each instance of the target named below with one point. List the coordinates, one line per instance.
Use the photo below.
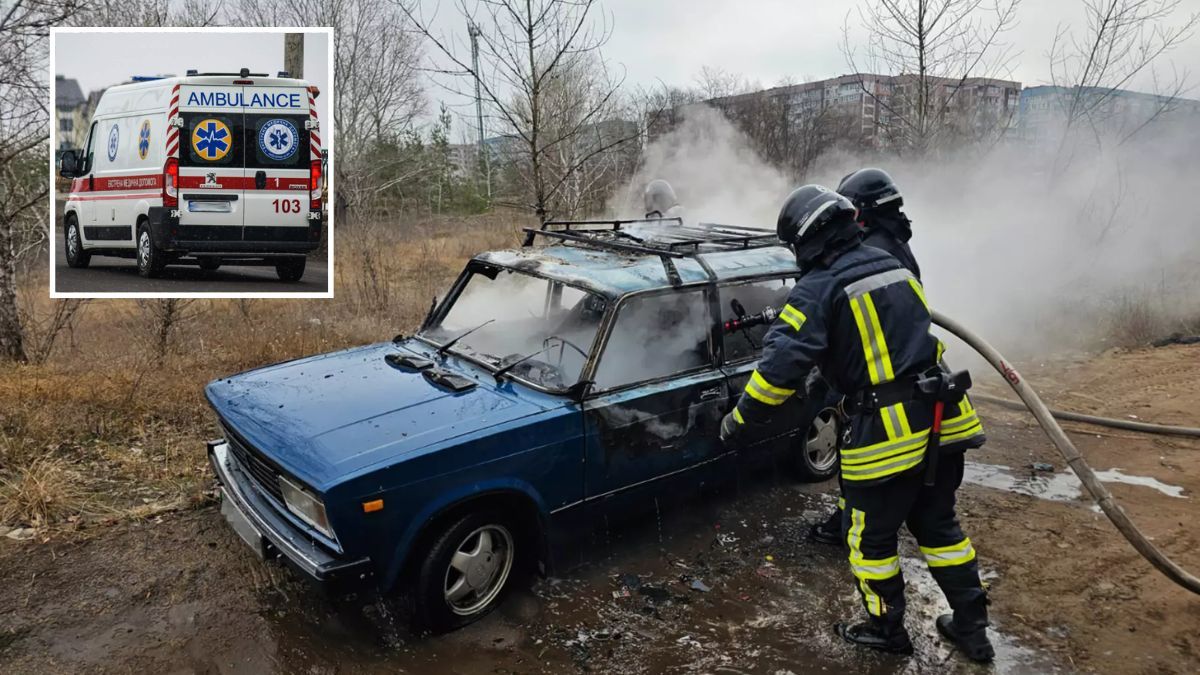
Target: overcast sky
(770, 40)
(99, 60)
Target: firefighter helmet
(814, 217)
(659, 198)
(870, 188)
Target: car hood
(325, 417)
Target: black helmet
(659, 198)
(870, 188)
(814, 219)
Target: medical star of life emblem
(278, 139)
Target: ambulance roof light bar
(245, 72)
(146, 78)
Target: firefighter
(660, 200)
(878, 200)
(860, 316)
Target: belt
(882, 395)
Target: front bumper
(278, 539)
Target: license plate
(244, 528)
(210, 207)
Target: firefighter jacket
(891, 233)
(864, 322)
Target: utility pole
(293, 54)
(484, 160)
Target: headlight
(305, 506)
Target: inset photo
(191, 162)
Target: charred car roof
(613, 272)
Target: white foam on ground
(1061, 486)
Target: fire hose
(1144, 427)
(1099, 492)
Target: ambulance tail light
(314, 185)
(171, 182)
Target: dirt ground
(181, 593)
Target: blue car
(584, 373)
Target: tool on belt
(936, 385)
(942, 387)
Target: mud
(184, 595)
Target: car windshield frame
(442, 308)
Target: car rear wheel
(210, 264)
(291, 270)
(816, 452)
(150, 259)
(465, 572)
(76, 256)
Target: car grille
(264, 476)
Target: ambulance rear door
(277, 161)
(212, 174)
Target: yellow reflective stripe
(865, 337)
(762, 382)
(941, 349)
(959, 423)
(881, 347)
(792, 316)
(904, 429)
(841, 503)
(916, 286)
(882, 448)
(858, 521)
(881, 469)
(973, 430)
(765, 392)
(876, 570)
(947, 556)
(737, 416)
(861, 463)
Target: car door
(743, 348)
(212, 174)
(85, 184)
(658, 398)
(277, 160)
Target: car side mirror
(68, 164)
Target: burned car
(585, 372)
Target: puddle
(1060, 486)
(1012, 658)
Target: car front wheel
(465, 572)
(290, 270)
(816, 451)
(76, 256)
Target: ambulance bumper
(182, 240)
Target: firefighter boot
(828, 531)
(967, 629)
(885, 636)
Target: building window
(66, 124)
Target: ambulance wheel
(291, 270)
(76, 256)
(816, 451)
(210, 264)
(150, 259)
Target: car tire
(816, 451)
(465, 572)
(76, 256)
(291, 270)
(150, 259)
(210, 264)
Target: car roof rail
(671, 239)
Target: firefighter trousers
(871, 523)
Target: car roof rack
(672, 240)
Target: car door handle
(709, 394)
(260, 180)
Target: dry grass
(106, 428)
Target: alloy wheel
(821, 446)
(478, 569)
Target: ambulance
(207, 169)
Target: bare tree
(24, 132)
(376, 71)
(933, 47)
(1120, 44)
(528, 49)
(164, 318)
(716, 82)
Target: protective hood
(892, 221)
(326, 417)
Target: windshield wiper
(446, 347)
(504, 371)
